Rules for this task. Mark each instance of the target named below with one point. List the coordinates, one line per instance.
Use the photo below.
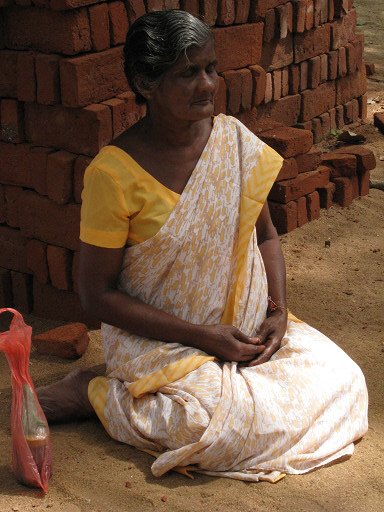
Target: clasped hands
(228, 343)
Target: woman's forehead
(197, 56)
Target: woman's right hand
(228, 343)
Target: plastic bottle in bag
(31, 447)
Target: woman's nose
(208, 82)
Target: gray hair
(154, 43)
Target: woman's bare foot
(67, 399)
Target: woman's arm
(99, 269)
(274, 326)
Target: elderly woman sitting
(180, 261)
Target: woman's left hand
(271, 333)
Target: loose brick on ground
(288, 141)
(340, 164)
(365, 158)
(369, 67)
(378, 120)
(364, 183)
(68, 341)
(343, 193)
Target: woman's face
(186, 91)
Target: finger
(267, 354)
(264, 331)
(244, 339)
(252, 352)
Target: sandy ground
(339, 290)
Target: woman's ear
(144, 87)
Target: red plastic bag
(31, 446)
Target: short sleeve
(104, 213)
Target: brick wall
(63, 96)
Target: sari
(302, 409)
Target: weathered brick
(276, 84)
(226, 12)
(81, 163)
(231, 51)
(136, 8)
(303, 184)
(125, 112)
(294, 79)
(52, 303)
(351, 57)
(259, 78)
(13, 249)
(332, 118)
(313, 205)
(83, 131)
(8, 75)
(363, 106)
(317, 101)
(22, 291)
(312, 42)
(37, 260)
(233, 82)
(304, 126)
(264, 125)
(285, 81)
(355, 186)
(314, 72)
(242, 11)
(364, 183)
(350, 87)
(358, 43)
(92, 78)
(48, 79)
(325, 124)
(316, 12)
(343, 193)
(341, 7)
(340, 164)
(302, 215)
(288, 170)
(15, 164)
(60, 267)
(99, 26)
(365, 158)
(323, 11)
(284, 216)
(268, 88)
(37, 29)
(60, 176)
(317, 130)
(309, 14)
(283, 21)
(342, 62)
(246, 88)
(5, 289)
(118, 21)
(50, 222)
(323, 68)
(38, 168)
(260, 7)
(13, 203)
(326, 195)
(26, 77)
(369, 66)
(221, 98)
(339, 116)
(378, 121)
(208, 11)
(343, 30)
(68, 341)
(303, 75)
(12, 120)
(285, 110)
(299, 15)
(333, 58)
(309, 160)
(277, 53)
(269, 26)
(248, 118)
(287, 141)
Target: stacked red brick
(64, 95)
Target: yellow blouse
(122, 204)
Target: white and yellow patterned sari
(302, 409)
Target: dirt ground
(337, 289)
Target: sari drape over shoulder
(302, 409)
